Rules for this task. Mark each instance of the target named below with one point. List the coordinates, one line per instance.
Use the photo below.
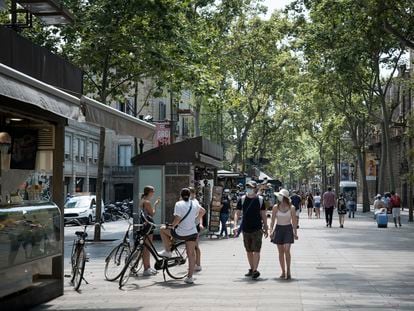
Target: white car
(82, 208)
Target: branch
(391, 30)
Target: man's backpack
(261, 200)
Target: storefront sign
(162, 134)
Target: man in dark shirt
(296, 202)
(254, 226)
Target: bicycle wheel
(132, 266)
(78, 268)
(116, 260)
(176, 265)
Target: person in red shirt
(395, 202)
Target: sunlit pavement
(359, 267)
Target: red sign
(162, 134)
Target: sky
(275, 4)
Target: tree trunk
(387, 143)
(383, 161)
(101, 156)
(337, 168)
(99, 185)
(363, 175)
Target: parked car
(81, 207)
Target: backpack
(342, 205)
(260, 201)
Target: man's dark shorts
(192, 237)
(253, 241)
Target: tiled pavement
(359, 267)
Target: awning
(19, 86)
(110, 118)
(197, 150)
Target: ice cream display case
(30, 242)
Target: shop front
(193, 162)
(32, 121)
(33, 116)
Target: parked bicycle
(78, 257)
(115, 261)
(175, 266)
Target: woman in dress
(285, 231)
(341, 206)
(309, 204)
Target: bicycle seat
(81, 234)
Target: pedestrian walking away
(328, 202)
(199, 226)
(285, 231)
(183, 228)
(341, 206)
(149, 212)
(254, 226)
(317, 200)
(224, 213)
(296, 202)
(309, 204)
(395, 203)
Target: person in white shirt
(183, 228)
(317, 200)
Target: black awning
(196, 150)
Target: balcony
(122, 171)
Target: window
(95, 152)
(81, 150)
(130, 107)
(76, 150)
(124, 155)
(162, 111)
(120, 107)
(68, 147)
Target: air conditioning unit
(46, 138)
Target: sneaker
(189, 280)
(147, 272)
(250, 273)
(165, 253)
(255, 275)
(197, 268)
(341, 226)
(153, 271)
(400, 225)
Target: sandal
(282, 276)
(288, 277)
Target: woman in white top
(183, 228)
(285, 231)
(317, 200)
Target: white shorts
(297, 213)
(396, 212)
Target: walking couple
(254, 226)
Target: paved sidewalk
(359, 267)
